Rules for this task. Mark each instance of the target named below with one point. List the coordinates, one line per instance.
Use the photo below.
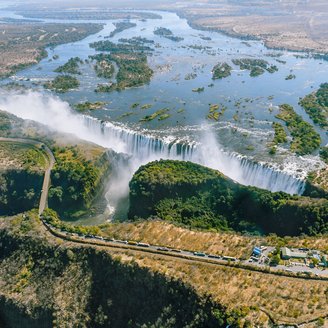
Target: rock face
(44, 284)
(19, 190)
(190, 194)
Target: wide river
(244, 129)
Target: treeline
(192, 195)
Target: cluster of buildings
(303, 254)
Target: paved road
(46, 179)
(185, 255)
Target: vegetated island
(167, 33)
(85, 106)
(62, 83)
(305, 139)
(290, 77)
(24, 44)
(316, 105)
(131, 61)
(196, 196)
(221, 71)
(104, 66)
(161, 114)
(71, 67)
(120, 27)
(216, 111)
(255, 66)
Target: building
(257, 251)
(287, 254)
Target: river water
(237, 144)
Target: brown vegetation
(231, 244)
(286, 300)
(23, 44)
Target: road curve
(46, 180)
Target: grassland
(24, 44)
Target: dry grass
(23, 44)
(286, 299)
(231, 244)
(290, 300)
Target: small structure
(287, 254)
(257, 251)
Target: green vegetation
(75, 180)
(120, 27)
(81, 107)
(200, 89)
(215, 112)
(161, 114)
(316, 105)
(192, 195)
(221, 71)
(146, 106)
(132, 62)
(19, 190)
(305, 138)
(135, 105)
(71, 67)
(121, 48)
(324, 154)
(137, 41)
(22, 157)
(62, 83)
(255, 66)
(280, 135)
(190, 76)
(166, 33)
(104, 67)
(133, 72)
(290, 77)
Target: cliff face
(187, 193)
(19, 190)
(46, 284)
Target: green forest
(192, 195)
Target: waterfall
(144, 147)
